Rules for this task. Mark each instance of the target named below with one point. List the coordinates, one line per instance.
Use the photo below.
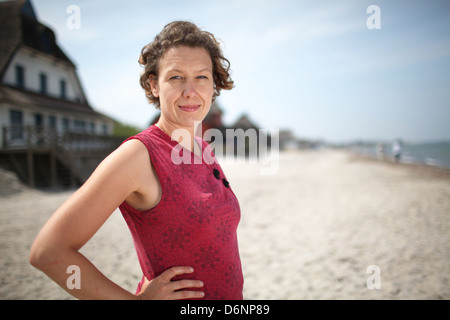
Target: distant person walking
(397, 150)
(380, 151)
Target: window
(43, 83)
(46, 38)
(62, 89)
(65, 124)
(52, 122)
(92, 127)
(38, 136)
(38, 120)
(20, 77)
(16, 121)
(79, 125)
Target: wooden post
(53, 146)
(70, 154)
(30, 162)
(53, 174)
(5, 137)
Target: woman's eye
(175, 78)
(202, 77)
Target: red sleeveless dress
(195, 222)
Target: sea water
(434, 154)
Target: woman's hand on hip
(163, 288)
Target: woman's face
(185, 85)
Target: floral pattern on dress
(194, 224)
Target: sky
(313, 67)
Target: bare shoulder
(128, 172)
(118, 163)
(136, 160)
(132, 152)
(120, 169)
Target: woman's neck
(185, 136)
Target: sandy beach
(313, 230)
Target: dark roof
(244, 123)
(19, 97)
(213, 111)
(19, 26)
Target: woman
(183, 217)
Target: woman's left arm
(57, 245)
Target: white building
(49, 134)
(39, 85)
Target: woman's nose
(189, 90)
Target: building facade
(44, 111)
(39, 85)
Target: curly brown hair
(183, 33)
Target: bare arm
(123, 174)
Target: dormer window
(20, 77)
(43, 83)
(62, 89)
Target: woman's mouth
(189, 108)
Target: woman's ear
(154, 85)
